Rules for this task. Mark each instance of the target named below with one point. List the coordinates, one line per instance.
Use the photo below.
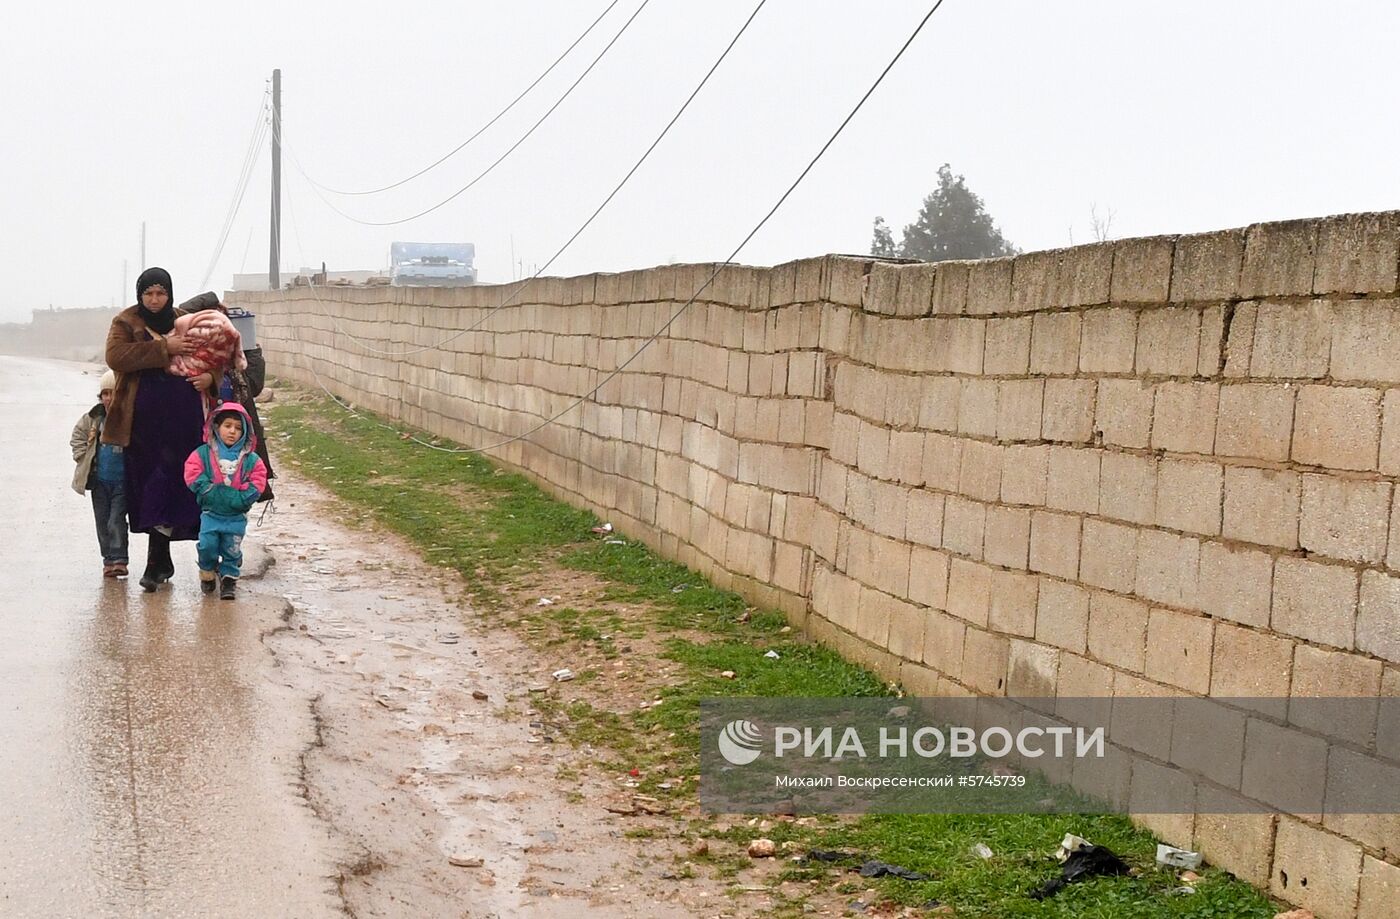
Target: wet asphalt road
(149, 759)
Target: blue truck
(432, 264)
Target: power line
(245, 173)
(684, 306)
(520, 288)
(500, 159)
(481, 130)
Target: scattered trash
(1184, 890)
(772, 655)
(479, 696)
(449, 638)
(1172, 857)
(678, 588)
(727, 674)
(605, 528)
(878, 869)
(465, 861)
(616, 542)
(1070, 845)
(762, 848)
(1084, 861)
(544, 601)
(982, 850)
(563, 675)
(1190, 877)
(634, 773)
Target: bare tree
(1101, 225)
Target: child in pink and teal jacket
(226, 475)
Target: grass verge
(648, 639)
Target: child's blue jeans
(220, 543)
(109, 511)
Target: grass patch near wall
(648, 639)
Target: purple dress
(167, 425)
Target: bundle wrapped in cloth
(216, 345)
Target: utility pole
(274, 264)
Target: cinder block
(906, 457)
(1069, 410)
(906, 634)
(843, 279)
(1256, 420)
(928, 577)
(1168, 569)
(1315, 601)
(1142, 269)
(1238, 347)
(1033, 670)
(1108, 556)
(977, 408)
(1055, 544)
(1062, 615)
(924, 523)
(969, 591)
(1390, 433)
(1024, 474)
(1019, 407)
(1210, 356)
(1208, 740)
(964, 523)
(1316, 870)
(1392, 555)
(1236, 583)
(1118, 631)
(1013, 602)
(1124, 412)
(989, 286)
(1291, 782)
(1179, 649)
(1380, 881)
(1168, 342)
(1084, 275)
(1007, 539)
(1206, 266)
(1291, 340)
(1055, 343)
(1008, 346)
(1319, 673)
(980, 476)
(1365, 340)
(1345, 518)
(1188, 496)
(985, 659)
(950, 287)
(1128, 487)
(1184, 417)
(1262, 506)
(943, 643)
(1143, 726)
(1108, 340)
(1279, 259)
(1252, 665)
(1378, 619)
(938, 408)
(1356, 253)
(915, 294)
(942, 461)
(1242, 843)
(1072, 479)
(1337, 427)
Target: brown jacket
(128, 353)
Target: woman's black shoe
(149, 582)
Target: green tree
(952, 224)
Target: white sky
(1180, 117)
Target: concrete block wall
(1149, 467)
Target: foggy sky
(1178, 117)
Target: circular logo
(740, 742)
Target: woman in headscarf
(158, 420)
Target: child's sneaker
(227, 587)
(207, 582)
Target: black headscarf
(163, 321)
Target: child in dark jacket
(102, 471)
(226, 476)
